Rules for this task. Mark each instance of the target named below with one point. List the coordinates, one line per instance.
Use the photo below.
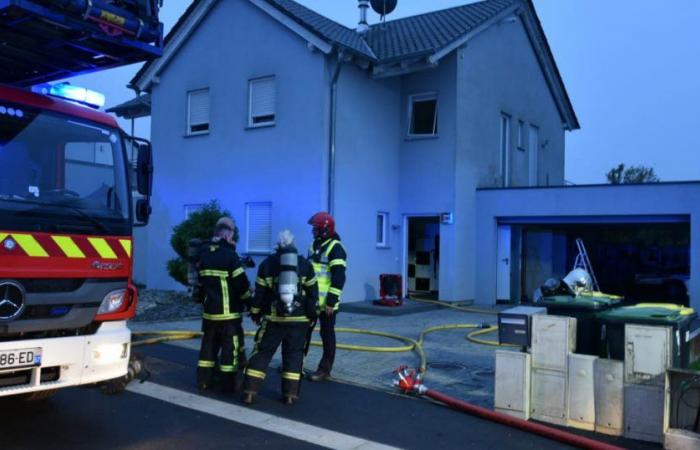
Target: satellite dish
(383, 7)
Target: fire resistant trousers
(328, 339)
(219, 336)
(292, 336)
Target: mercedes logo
(12, 297)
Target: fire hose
(411, 382)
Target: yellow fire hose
(159, 337)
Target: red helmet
(323, 225)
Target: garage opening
(423, 257)
(641, 261)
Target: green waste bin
(682, 320)
(585, 308)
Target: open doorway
(422, 257)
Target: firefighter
(224, 287)
(328, 257)
(285, 302)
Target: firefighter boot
(251, 386)
(290, 390)
(204, 378)
(248, 398)
(319, 375)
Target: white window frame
(257, 251)
(191, 208)
(426, 96)
(384, 242)
(533, 157)
(189, 116)
(251, 121)
(521, 136)
(504, 150)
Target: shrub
(199, 225)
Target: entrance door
(422, 256)
(503, 270)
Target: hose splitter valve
(409, 381)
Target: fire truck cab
(67, 203)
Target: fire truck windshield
(60, 173)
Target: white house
(403, 130)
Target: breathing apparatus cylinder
(288, 285)
(193, 249)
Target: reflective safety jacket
(224, 282)
(329, 261)
(267, 299)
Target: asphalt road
(168, 412)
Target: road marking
(248, 416)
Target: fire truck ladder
(582, 262)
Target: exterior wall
(367, 162)
(497, 72)
(427, 174)
(284, 164)
(583, 201)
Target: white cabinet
(548, 401)
(644, 412)
(648, 352)
(513, 383)
(581, 392)
(553, 338)
(609, 396)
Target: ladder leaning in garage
(582, 262)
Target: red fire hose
(411, 382)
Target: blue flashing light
(76, 94)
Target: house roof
(403, 38)
(431, 35)
(133, 109)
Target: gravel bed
(159, 305)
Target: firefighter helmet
(323, 225)
(225, 223)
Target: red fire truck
(66, 206)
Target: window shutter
(199, 107)
(259, 227)
(263, 95)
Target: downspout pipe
(332, 133)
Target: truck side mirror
(142, 211)
(144, 167)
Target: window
(198, 112)
(521, 135)
(193, 208)
(423, 115)
(504, 169)
(258, 221)
(382, 229)
(262, 98)
(534, 156)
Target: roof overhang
(148, 75)
(302, 32)
(545, 57)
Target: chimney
(362, 27)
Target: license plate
(17, 359)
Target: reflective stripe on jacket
(223, 280)
(322, 264)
